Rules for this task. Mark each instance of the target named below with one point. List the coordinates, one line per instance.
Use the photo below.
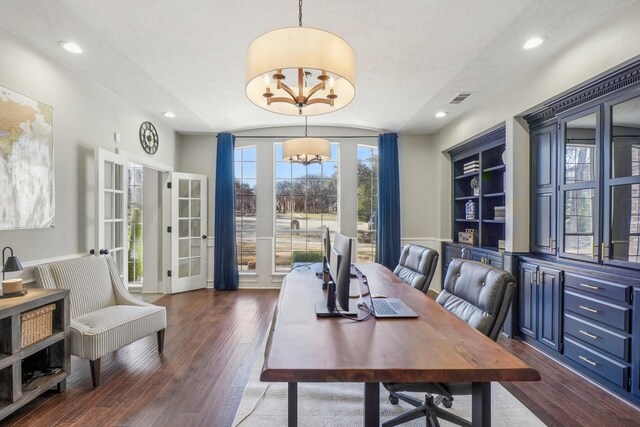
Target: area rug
(341, 404)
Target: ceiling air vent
(460, 97)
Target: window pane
(625, 138)
(367, 196)
(306, 201)
(246, 206)
(580, 142)
(625, 223)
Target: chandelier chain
(299, 13)
(305, 126)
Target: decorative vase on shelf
(475, 185)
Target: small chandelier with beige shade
(306, 150)
(300, 71)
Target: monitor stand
(323, 311)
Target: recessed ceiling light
(534, 42)
(71, 47)
(169, 114)
(441, 114)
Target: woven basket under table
(37, 324)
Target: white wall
(197, 155)
(612, 43)
(86, 116)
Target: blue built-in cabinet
(579, 285)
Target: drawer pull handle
(595, 337)
(593, 310)
(589, 286)
(590, 362)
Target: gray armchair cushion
(479, 294)
(417, 266)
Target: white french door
(111, 208)
(188, 232)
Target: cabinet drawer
(604, 339)
(598, 287)
(609, 369)
(607, 313)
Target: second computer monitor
(340, 273)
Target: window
(306, 201)
(134, 222)
(367, 202)
(245, 201)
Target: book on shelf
(473, 166)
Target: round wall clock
(149, 137)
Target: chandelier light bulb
(267, 80)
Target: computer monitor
(340, 274)
(326, 246)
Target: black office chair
(417, 266)
(480, 295)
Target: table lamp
(12, 263)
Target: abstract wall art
(27, 197)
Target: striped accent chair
(104, 315)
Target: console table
(52, 350)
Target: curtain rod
(300, 136)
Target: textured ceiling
(413, 56)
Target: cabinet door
(579, 209)
(528, 299)
(621, 224)
(635, 340)
(550, 291)
(543, 189)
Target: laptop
(385, 307)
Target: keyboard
(382, 307)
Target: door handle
(92, 252)
(104, 251)
(204, 236)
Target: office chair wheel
(447, 403)
(394, 400)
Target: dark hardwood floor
(211, 345)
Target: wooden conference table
(435, 347)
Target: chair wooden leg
(95, 372)
(160, 340)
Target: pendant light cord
(300, 13)
(305, 124)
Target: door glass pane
(183, 225)
(578, 221)
(108, 235)
(183, 248)
(183, 208)
(108, 205)
(195, 247)
(625, 138)
(195, 227)
(195, 266)
(579, 154)
(195, 208)
(195, 189)
(117, 176)
(117, 206)
(117, 237)
(108, 175)
(183, 267)
(183, 188)
(625, 223)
